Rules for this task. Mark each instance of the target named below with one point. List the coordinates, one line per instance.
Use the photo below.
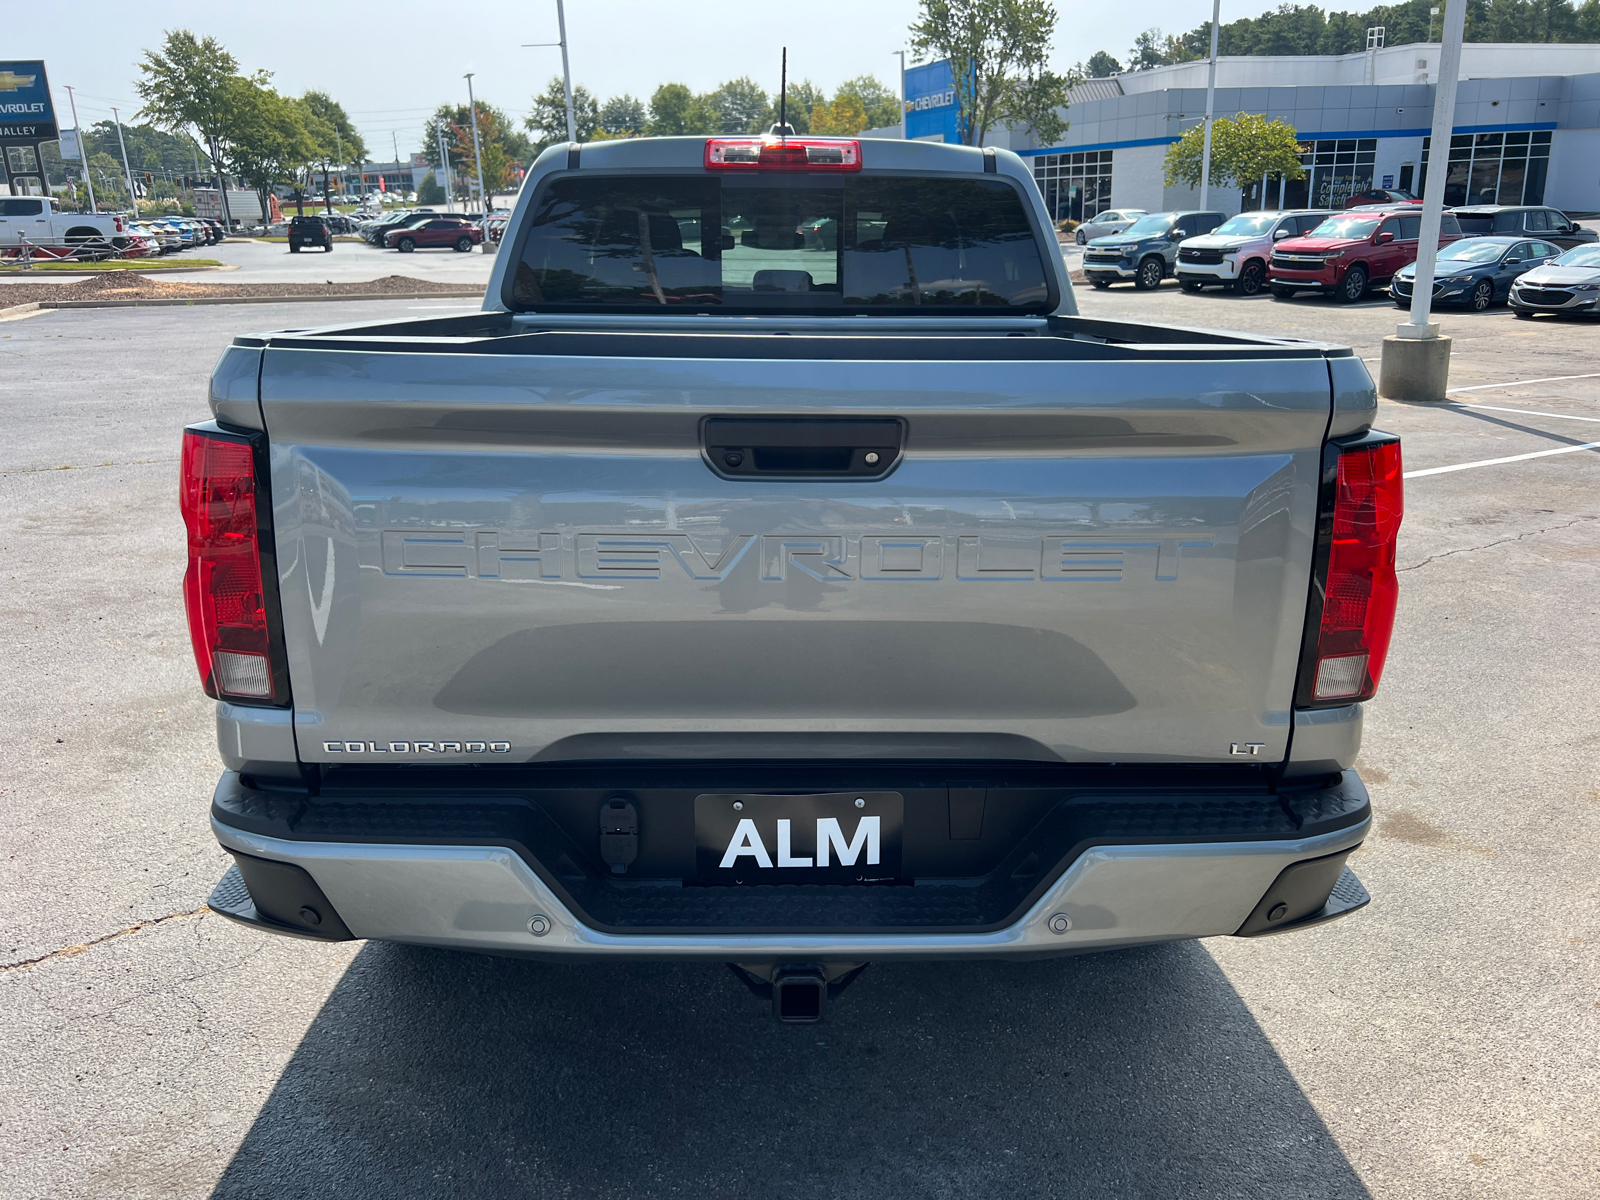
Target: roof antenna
(783, 128)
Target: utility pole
(133, 200)
(344, 185)
(901, 54)
(83, 147)
(1211, 101)
(477, 147)
(1416, 360)
(566, 69)
(444, 165)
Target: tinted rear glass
(786, 244)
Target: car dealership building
(1527, 127)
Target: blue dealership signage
(932, 113)
(26, 114)
(27, 120)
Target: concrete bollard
(1415, 368)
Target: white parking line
(1478, 387)
(1495, 462)
(1527, 412)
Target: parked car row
(166, 235)
(420, 228)
(1484, 252)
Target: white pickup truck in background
(39, 221)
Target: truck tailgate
(505, 557)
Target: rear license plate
(838, 837)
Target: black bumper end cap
(1347, 896)
(232, 898)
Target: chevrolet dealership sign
(26, 114)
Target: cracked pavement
(1441, 1043)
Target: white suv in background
(1235, 253)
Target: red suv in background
(1352, 251)
(436, 231)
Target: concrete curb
(168, 302)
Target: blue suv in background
(1146, 251)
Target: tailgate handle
(802, 447)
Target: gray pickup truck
(778, 571)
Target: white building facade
(1527, 129)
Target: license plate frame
(746, 826)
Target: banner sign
(70, 146)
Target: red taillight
(1359, 597)
(222, 589)
(782, 154)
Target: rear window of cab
(789, 243)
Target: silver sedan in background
(1113, 220)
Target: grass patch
(122, 264)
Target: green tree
(268, 142)
(1152, 48)
(332, 113)
(1307, 29)
(497, 172)
(187, 84)
(1243, 149)
(669, 111)
(547, 120)
(999, 55)
(841, 118)
(803, 97)
(510, 149)
(1100, 66)
(882, 106)
(429, 191)
(621, 116)
(737, 106)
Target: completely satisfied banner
(26, 114)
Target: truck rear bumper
(489, 898)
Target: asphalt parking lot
(1441, 1043)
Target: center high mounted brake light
(772, 153)
(223, 589)
(1359, 591)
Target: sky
(392, 63)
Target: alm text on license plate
(836, 837)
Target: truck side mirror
(1279, 234)
(1385, 237)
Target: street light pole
(83, 148)
(904, 132)
(566, 69)
(477, 146)
(116, 118)
(566, 72)
(1416, 360)
(1211, 100)
(444, 165)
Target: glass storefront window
(1076, 185)
(1493, 168)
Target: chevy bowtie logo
(11, 82)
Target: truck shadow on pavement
(1133, 1073)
